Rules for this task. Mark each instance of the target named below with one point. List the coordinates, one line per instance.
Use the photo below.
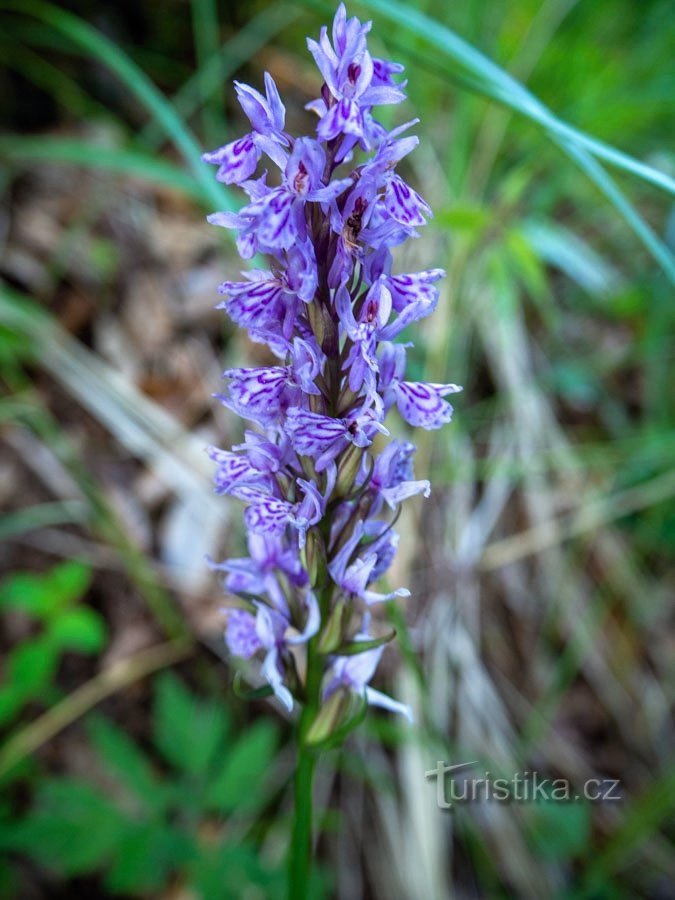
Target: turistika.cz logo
(455, 785)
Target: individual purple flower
(361, 362)
(241, 635)
(324, 437)
(352, 570)
(237, 160)
(392, 479)
(272, 561)
(320, 486)
(355, 672)
(262, 394)
(417, 287)
(405, 205)
(422, 404)
(351, 88)
(269, 514)
(270, 631)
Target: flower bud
(332, 634)
(348, 469)
(315, 554)
(338, 715)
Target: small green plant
(142, 823)
(58, 623)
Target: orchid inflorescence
(320, 499)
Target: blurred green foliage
(181, 810)
(48, 601)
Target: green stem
(301, 834)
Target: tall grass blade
(217, 69)
(205, 27)
(499, 85)
(106, 52)
(25, 151)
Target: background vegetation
(541, 569)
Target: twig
(120, 675)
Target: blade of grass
(120, 675)
(205, 27)
(41, 515)
(606, 184)
(106, 52)
(25, 151)
(501, 86)
(234, 52)
(493, 81)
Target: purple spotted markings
(320, 482)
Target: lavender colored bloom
(391, 479)
(355, 672)
(270, 631)
(320, 489)
(325, 437)
(241, 635)
(354, 573)
(237, 160)
(272, 563)
(422, 405)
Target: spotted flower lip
(319, 479)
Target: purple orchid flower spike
(320, 483)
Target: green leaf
(338, 716)
(354, 647)
(73, 830)
(11, 701)
(188, 733)
(526, 264)
(146, 857)
(14, 348)
(44, 595)
(30, 669)
(123, 758)
(235, 871)
(464, 217)
(239, 785)
(8, 883)
(79, 629)
(560, 830)
(243, 693)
